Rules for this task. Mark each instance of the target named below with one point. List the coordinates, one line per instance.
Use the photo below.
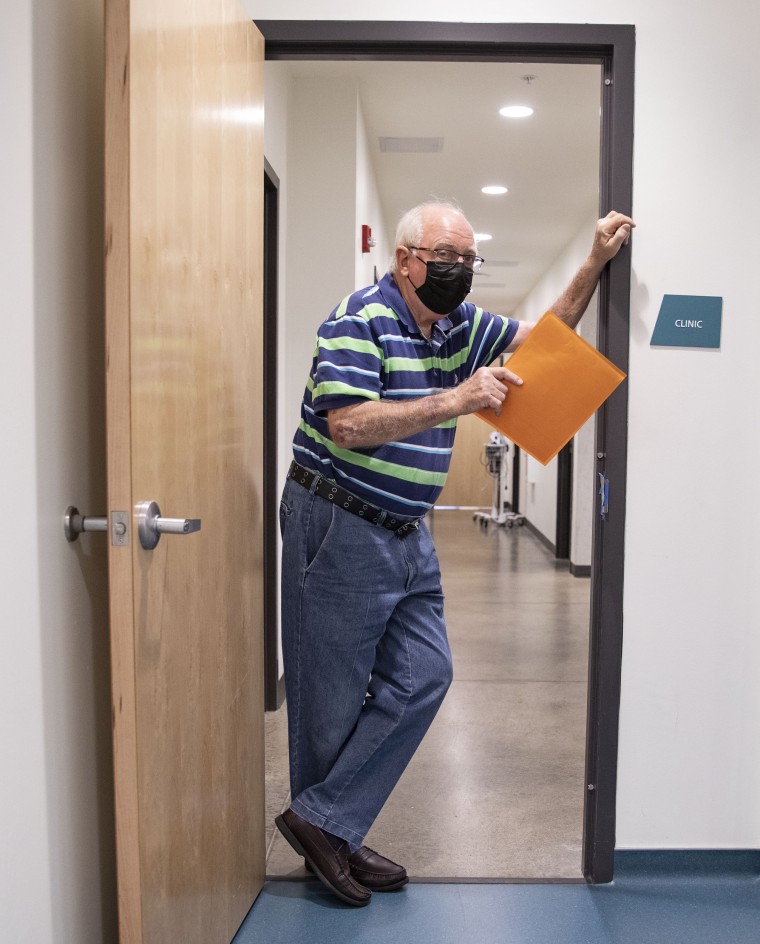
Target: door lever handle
(150, 525)
(74, 524)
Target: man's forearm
(375, 422)
(573, 302)
(610, 234)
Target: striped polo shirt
(371, 348)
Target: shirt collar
(395, 300)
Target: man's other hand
(612, 232)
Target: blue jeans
(367, 661)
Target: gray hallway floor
(496, 789)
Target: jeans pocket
(285, 512)
(318, 531)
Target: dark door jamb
(564, 502)
(274, 693)
(613, 47)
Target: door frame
(612, 47)
(564, 517)
(274, 684)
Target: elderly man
(367, 661)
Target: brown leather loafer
(328, 864)
(375, 872)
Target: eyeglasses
(450, 257)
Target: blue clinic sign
(688, 321)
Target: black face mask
(445, 287)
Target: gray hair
(412, 223)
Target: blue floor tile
(648, 903)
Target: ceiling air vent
(411, 145)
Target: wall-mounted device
(368, 240)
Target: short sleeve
(348, 364)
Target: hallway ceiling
(549, 162)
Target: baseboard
(688, 862)
(580, 570)
(451, 880)
(540, 535)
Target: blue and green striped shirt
(371, 348)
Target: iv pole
(496, 464)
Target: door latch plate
(120, 528)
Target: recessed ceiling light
(516, 111)
(482, 237)
(495, 189)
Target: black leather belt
(334, 493)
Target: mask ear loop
(408, 277)
(415, 287)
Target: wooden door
(184, 210)
(468, 483)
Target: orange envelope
(565, 380)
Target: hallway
(496, 789)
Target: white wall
(538, 496)
(584, 465)
(277, 93)
(57, 882)
(331, 190)
(319, 220)
(689, 771)
(368, 211)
